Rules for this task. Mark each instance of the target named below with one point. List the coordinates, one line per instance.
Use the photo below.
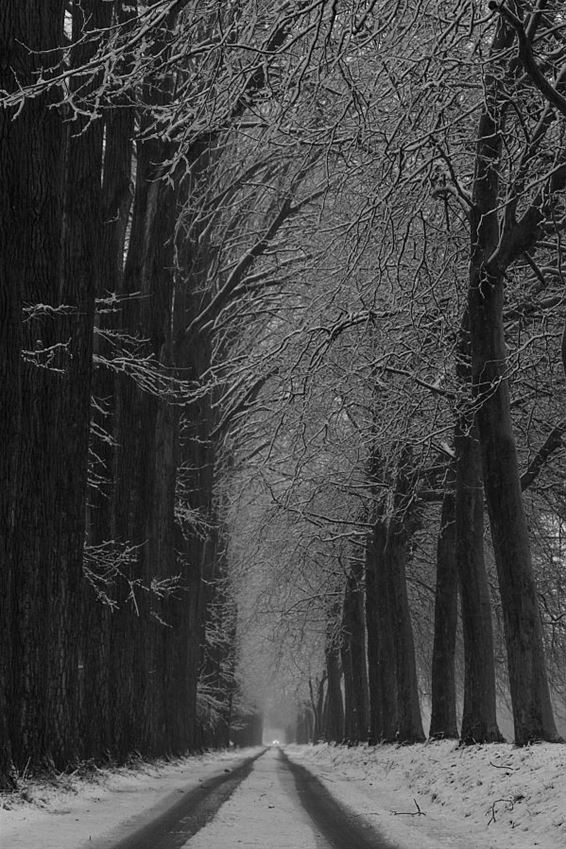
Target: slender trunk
(17, 182)
(317, 702)
(354, 660)
(97, 716)
(350, 729)
(382, 656)
(443, 722)
(359, 650)
(401, 527)
(334, 708)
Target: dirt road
(268, 802)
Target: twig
(509, 805)
(416, 813)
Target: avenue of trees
(281, 361)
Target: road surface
(268, 802)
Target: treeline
(417, 484)
(120, 166)
(259, 274)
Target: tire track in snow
(172, 829)
(340, 827)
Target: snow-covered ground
(438, 794)
(431, 795)
(96, 812)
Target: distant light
(276, 743)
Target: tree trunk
(317, 702)
(496, 241)
(380, 641)
(46, 549)
(350, 730)
(479, 719)
(401, 526)
(354, 662)
(443, 723)
(532, 710)
(334, 708)
(96, 714)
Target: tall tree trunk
(354, 659)
(350, 729)
(494, 245)
(17, 180)
(382, 675)
(443, 723)
(530, 696)
(479, 719)
(401, 527)
(334, 707)
(42, 587)
(96, 713)
(317, 703)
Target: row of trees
(141, 180)
(260, 266)
(425, 381)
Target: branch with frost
(109, 565)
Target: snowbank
(480, 796)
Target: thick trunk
(41, 586)
(496, 241)
(479, 719)
(443, 723)
(530, 696)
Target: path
(268, 802)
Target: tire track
(172, 829)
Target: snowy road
(268, 802)
(436, 795)
(283, 806)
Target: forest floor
(430, 795)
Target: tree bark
(494, 245)
(380, 641)
(443, 723)
(334, 707)
(532, 709)
(97, 717)
(354, 662)
(479, 719)
(43, 546)
(401, 527)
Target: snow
(436, 794)
(263, 812)
(97, 812)
(478, 797)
